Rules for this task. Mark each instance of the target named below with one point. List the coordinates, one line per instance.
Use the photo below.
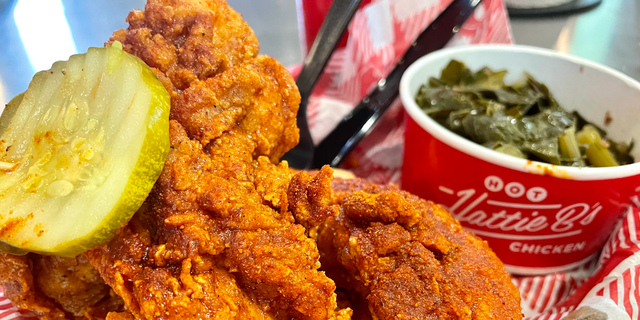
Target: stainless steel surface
(537, 8)
(34, 34)
(609, 34)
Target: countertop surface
(36, 33)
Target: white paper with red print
(610, 280)
(379, 34)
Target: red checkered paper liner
(378, 35)
(609, 283)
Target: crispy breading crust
(410, 259)
(212, 211)
(204, 223)
(188, 40)
(56, 288)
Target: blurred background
(35, 33)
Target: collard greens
(522, 120)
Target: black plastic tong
(343, 139)
(355, 126)
(331, 31)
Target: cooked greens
(522, 120)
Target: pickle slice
(85, 144)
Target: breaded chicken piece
(221, 242)
(216, 237)
(410, 259)
(56, 288)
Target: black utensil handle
(341, 141)
(333, 27)
(331, 31)
(355, 126)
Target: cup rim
(473, 149)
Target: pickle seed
(70, 116)
(59, 188)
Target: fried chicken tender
(410, 259)
(207, 244)
(215, 238)
(56, 288)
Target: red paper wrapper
(379, 34)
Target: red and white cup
(311, 14)
(538, 218)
